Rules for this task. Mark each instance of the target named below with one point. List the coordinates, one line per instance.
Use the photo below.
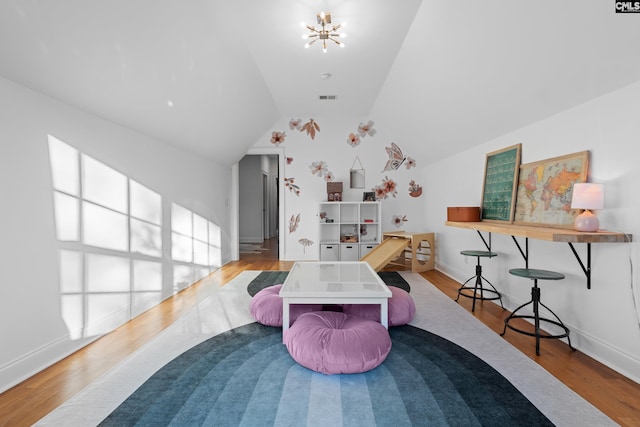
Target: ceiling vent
(327, 97)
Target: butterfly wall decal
(396, 158)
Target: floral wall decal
(305, 243)
(396, 158)
(289, 160)
(293, 223)
(387, 188)
(353, 140)
(277, 138)
(415, 190)
(288, 182)
(366, 129)
(411, 163)
(397, 220)
(295, 124)
(320, 168)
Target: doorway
(259, 208)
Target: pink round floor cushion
(332, 342)
(402, 308)
(266, 307)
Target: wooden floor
(24, 404)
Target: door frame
(235, 208)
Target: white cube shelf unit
(349, 230)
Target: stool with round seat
(471, 291)
(535, 275)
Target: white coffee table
(334, 283)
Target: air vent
(327, 97)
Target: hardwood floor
(24, 404)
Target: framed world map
(545, 188)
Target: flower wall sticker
(320, 168)
(289, 160)
(311, 127)
(411, 163)
(387, 188)
(288, 182)
(366, 129)
(353, 140)
(277, 138)
(415, 190)
(396, 158)
(397, 220)
(293, 223)
(305, 243)
(295, 124)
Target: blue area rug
(246, 377)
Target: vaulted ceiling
(438, 75)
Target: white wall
(604, 321)
(34, 334)
(330, 145)
(250, 194)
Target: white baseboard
(18, 370)
(31, 363)
(254, 239)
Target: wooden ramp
(385, 252)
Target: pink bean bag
(402, 308)
(266, 307)
(331, 342)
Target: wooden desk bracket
(488, 245)
(587, 269)
(524, 254)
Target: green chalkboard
(500, 183)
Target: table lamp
(587, 196)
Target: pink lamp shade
(587, 196)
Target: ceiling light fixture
(325, 32)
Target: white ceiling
(439, 73)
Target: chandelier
(325, 32)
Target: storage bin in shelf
(329, 252)
(365, 248)
(349, 252)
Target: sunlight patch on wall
(109, 229)
(194, 240)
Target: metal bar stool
(485, 293)
(535, 275)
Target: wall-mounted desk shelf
(545, 233)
